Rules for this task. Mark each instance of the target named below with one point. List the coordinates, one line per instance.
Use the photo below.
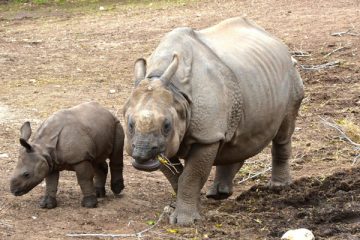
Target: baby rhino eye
(26, 175)
(166, 127)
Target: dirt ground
(56, 56)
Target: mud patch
(330, 207)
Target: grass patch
(14, 5)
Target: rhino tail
(116, 160)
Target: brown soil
(52, 57)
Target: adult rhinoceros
(212, 97)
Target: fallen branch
(348, 32)
(167, 210)
(343, 136)
(335, 50)
(255, 175)
(321, 66)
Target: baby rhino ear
(25, 133)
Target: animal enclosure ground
(56, 56)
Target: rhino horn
(140, 70)
(25, 132)
(170, 71)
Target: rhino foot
(89, 201)
(48, 202)
(100, 192)
(219, 191)
(276, 183)
(117, 186)
(184, 218)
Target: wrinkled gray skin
(79, 139)
(213, 97)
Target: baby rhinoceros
(78, 139)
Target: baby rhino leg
(222, 187)
(101, 170)
(85, 174)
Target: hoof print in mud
(89, 202)
(48, 202)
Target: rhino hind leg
(85, 174)
(116, 161)
(101, 171)
(222, 187)
(281, 151)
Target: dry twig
(138, 235)
(321, 66)
(300, 54)
(251, 176)
(343, 136)
(335, 50)
(348, 32)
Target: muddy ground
(56, 56)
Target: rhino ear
(26, 145)
(139, 70)
(25, 133)
(170, 71)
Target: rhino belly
(245, 145)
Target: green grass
(10, 7)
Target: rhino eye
(166, 127)
(131, 126)
(26, 175)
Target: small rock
(34, 217)
(298, 234)
(112, 91)
(101, 8)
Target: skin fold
(213, 97)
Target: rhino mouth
(148, 166)
(20, 192)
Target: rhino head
(32, 166)
(155, 118)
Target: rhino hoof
(100, 192)
(48, 202)
(219, 192)
(89, 201)
(184, 218)
(117, 186)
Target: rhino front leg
(85, 174)
(222, 187)
(197, 169)
(49, 199)
(101, 171)
(172, 175)
(116, 161)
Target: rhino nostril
(154, 149)
(133, 146)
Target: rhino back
(261, 64)
(85, 132)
